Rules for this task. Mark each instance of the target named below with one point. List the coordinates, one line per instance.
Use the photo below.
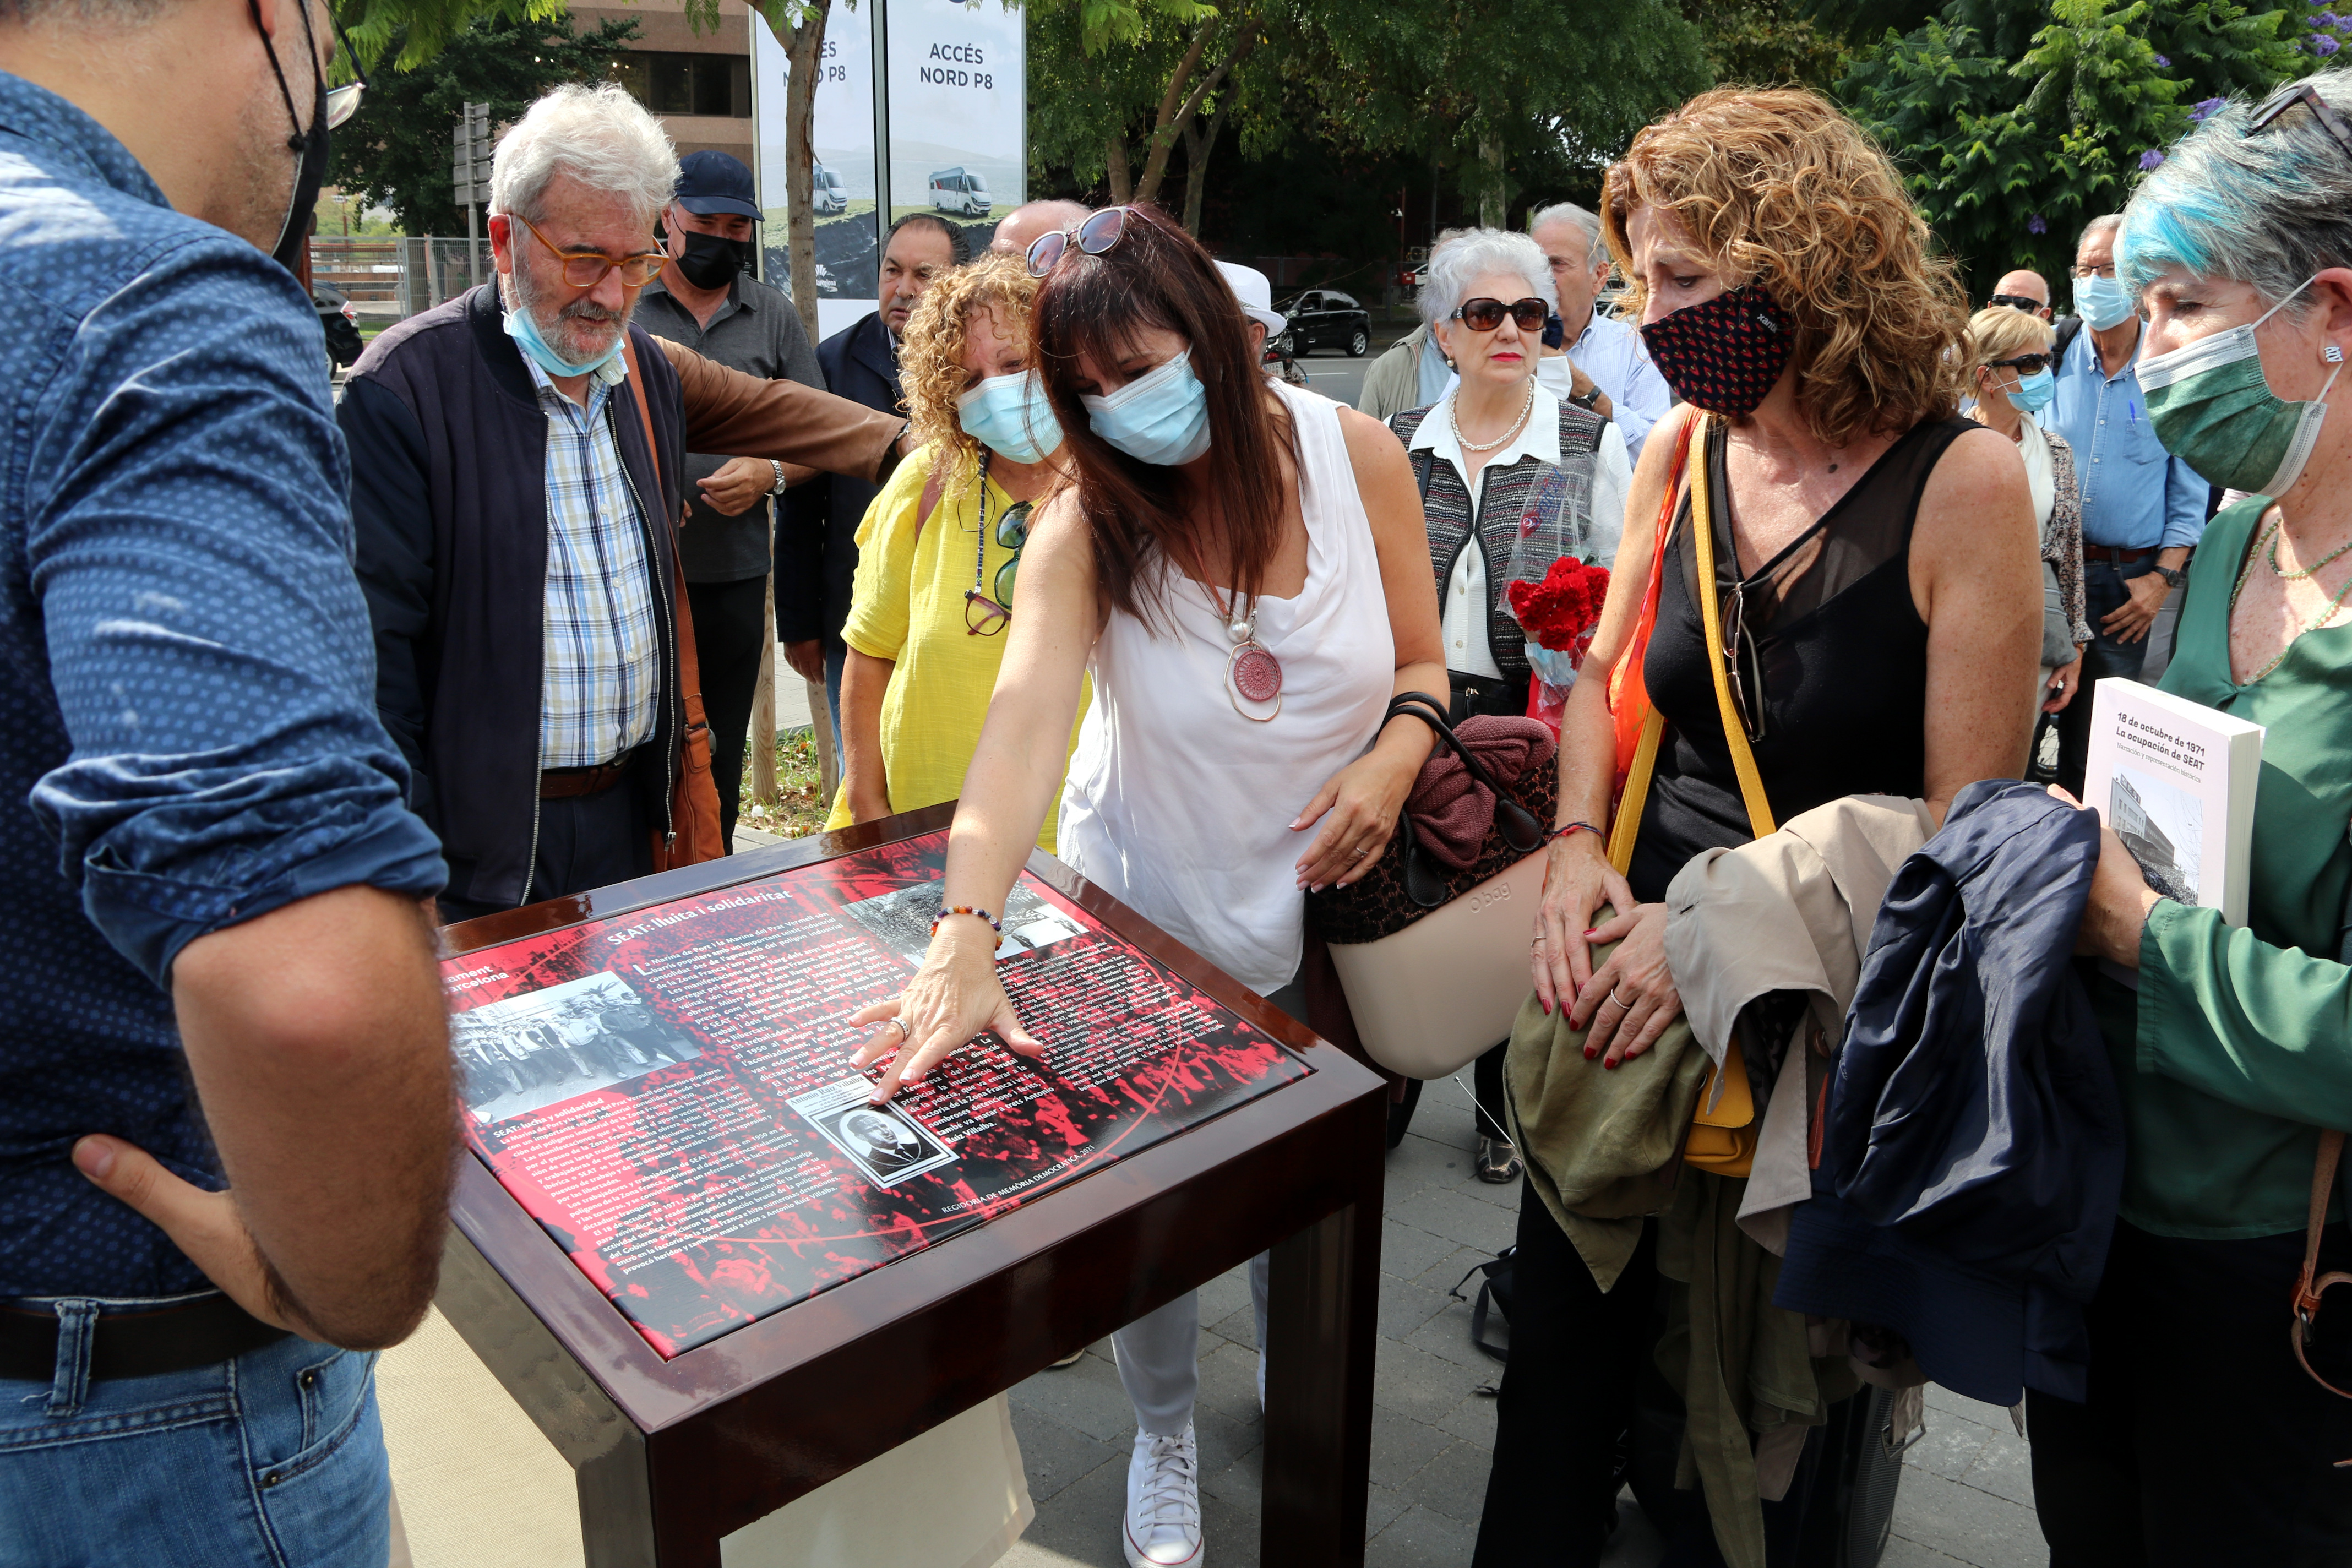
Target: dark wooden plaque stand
(672, 1456)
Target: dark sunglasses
(985, 616)
(1100, 233)
(2024, 364)
(1484, 315)
(2302, 93)
(2019, 302)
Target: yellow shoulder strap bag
(1724, 1127)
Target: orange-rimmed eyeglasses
(586, 269)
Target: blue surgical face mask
(1010, 416)
(525, 332)
(2101, 302)
(1160, 417)
(2033, 393)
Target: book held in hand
(2176, 780)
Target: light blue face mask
(2033, 393)
(1160, 417)
(1010, 416)
(2101, 302)
(525, 332)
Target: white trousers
(1160, 1357)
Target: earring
(2332, 355)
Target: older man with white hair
(1602, 347)
(517, 468)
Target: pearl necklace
(1453, 417)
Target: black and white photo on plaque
(903, 920)
(884, 1143)
(531, 1051)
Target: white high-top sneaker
(1163, 1503)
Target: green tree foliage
(395, 152)
(1769, 42)
(2007, 156)
(409, 32)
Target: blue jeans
(274, 1459)
(836, 656)
(2105, 586)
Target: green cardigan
(2238, 1048)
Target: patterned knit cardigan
(1445, 502)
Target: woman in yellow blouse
(939, 551)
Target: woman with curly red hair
(1876, 574)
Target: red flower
(1562, 610)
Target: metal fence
(390, 278)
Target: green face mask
(2212, 407)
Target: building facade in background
(699, 84)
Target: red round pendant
(1258, 674)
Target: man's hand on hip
(204, 1225)
(2129, 621)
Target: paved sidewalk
(1966, 1496)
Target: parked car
(1326, 316)
(960, 190)
(338, 323)
(826, 194)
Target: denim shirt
(2134, 495)
(188, 735)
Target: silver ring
(905, 1033)
(1619, 1000)
(1359, 853)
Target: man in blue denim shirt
(214, 886)
(2143, 508)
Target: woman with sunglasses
(941, 546)
(2231, 1052)
(1877, 592)
(1482, 455)
(1242, 566)
(2009, 353)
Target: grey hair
(599, 136)
(2105, 223)
(1587, 224)
(1471, 254)
(2267, 210)
(115, 13)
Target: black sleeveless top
(1825, 632)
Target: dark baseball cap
(711, 182)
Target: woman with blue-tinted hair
(2203, 1440)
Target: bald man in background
(2022, 291)
(1020, 226)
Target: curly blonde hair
(1780, 188)
(1998, 332)
(931, 358)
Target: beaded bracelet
(1565, 828)
(946, 910)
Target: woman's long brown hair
(1139, 514)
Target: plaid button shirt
(601, 666)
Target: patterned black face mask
(1723, 354)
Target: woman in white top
(1242, 566)
(2011, 371)
(1500, 443)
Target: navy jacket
(1972, 1156)
(448, 450)
(816, 547)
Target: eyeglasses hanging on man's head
(2305, 96)
(1097, 236)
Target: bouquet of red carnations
(1559, 616)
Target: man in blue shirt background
(2143, 508)
(227, 1129)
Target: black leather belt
(135, 1343)
(2110, 556)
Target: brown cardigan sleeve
(747, 416)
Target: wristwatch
(1588, 399)
(2173, 577)
(778, 488)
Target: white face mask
(1556, 375)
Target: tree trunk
(1493, 209)
(1179, 108)
(1122, 186)
(1198, 146)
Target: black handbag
(1408, 882)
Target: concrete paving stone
(1229, 1383)
(1446, 1334)
(1903, 1553)
(1381, 1507)
(1405, 1307)
(1421, 1538)
(1234, 1328)
(1417, 1384)
(1944, 1400)
(1239, 1481)
(1474, 1419)
(1222, 1441)
(1974, 1526)
(1053, 1455)
(1408, 1250)
(1085, 1397)
(1447, 1273)
(1419, 1162)
(1466, 1221)
(1454, 1482)
(2005, 1468)
(1228, 1293)
(1950, 1445)
(1402, 1447)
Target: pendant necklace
(1251, 669)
